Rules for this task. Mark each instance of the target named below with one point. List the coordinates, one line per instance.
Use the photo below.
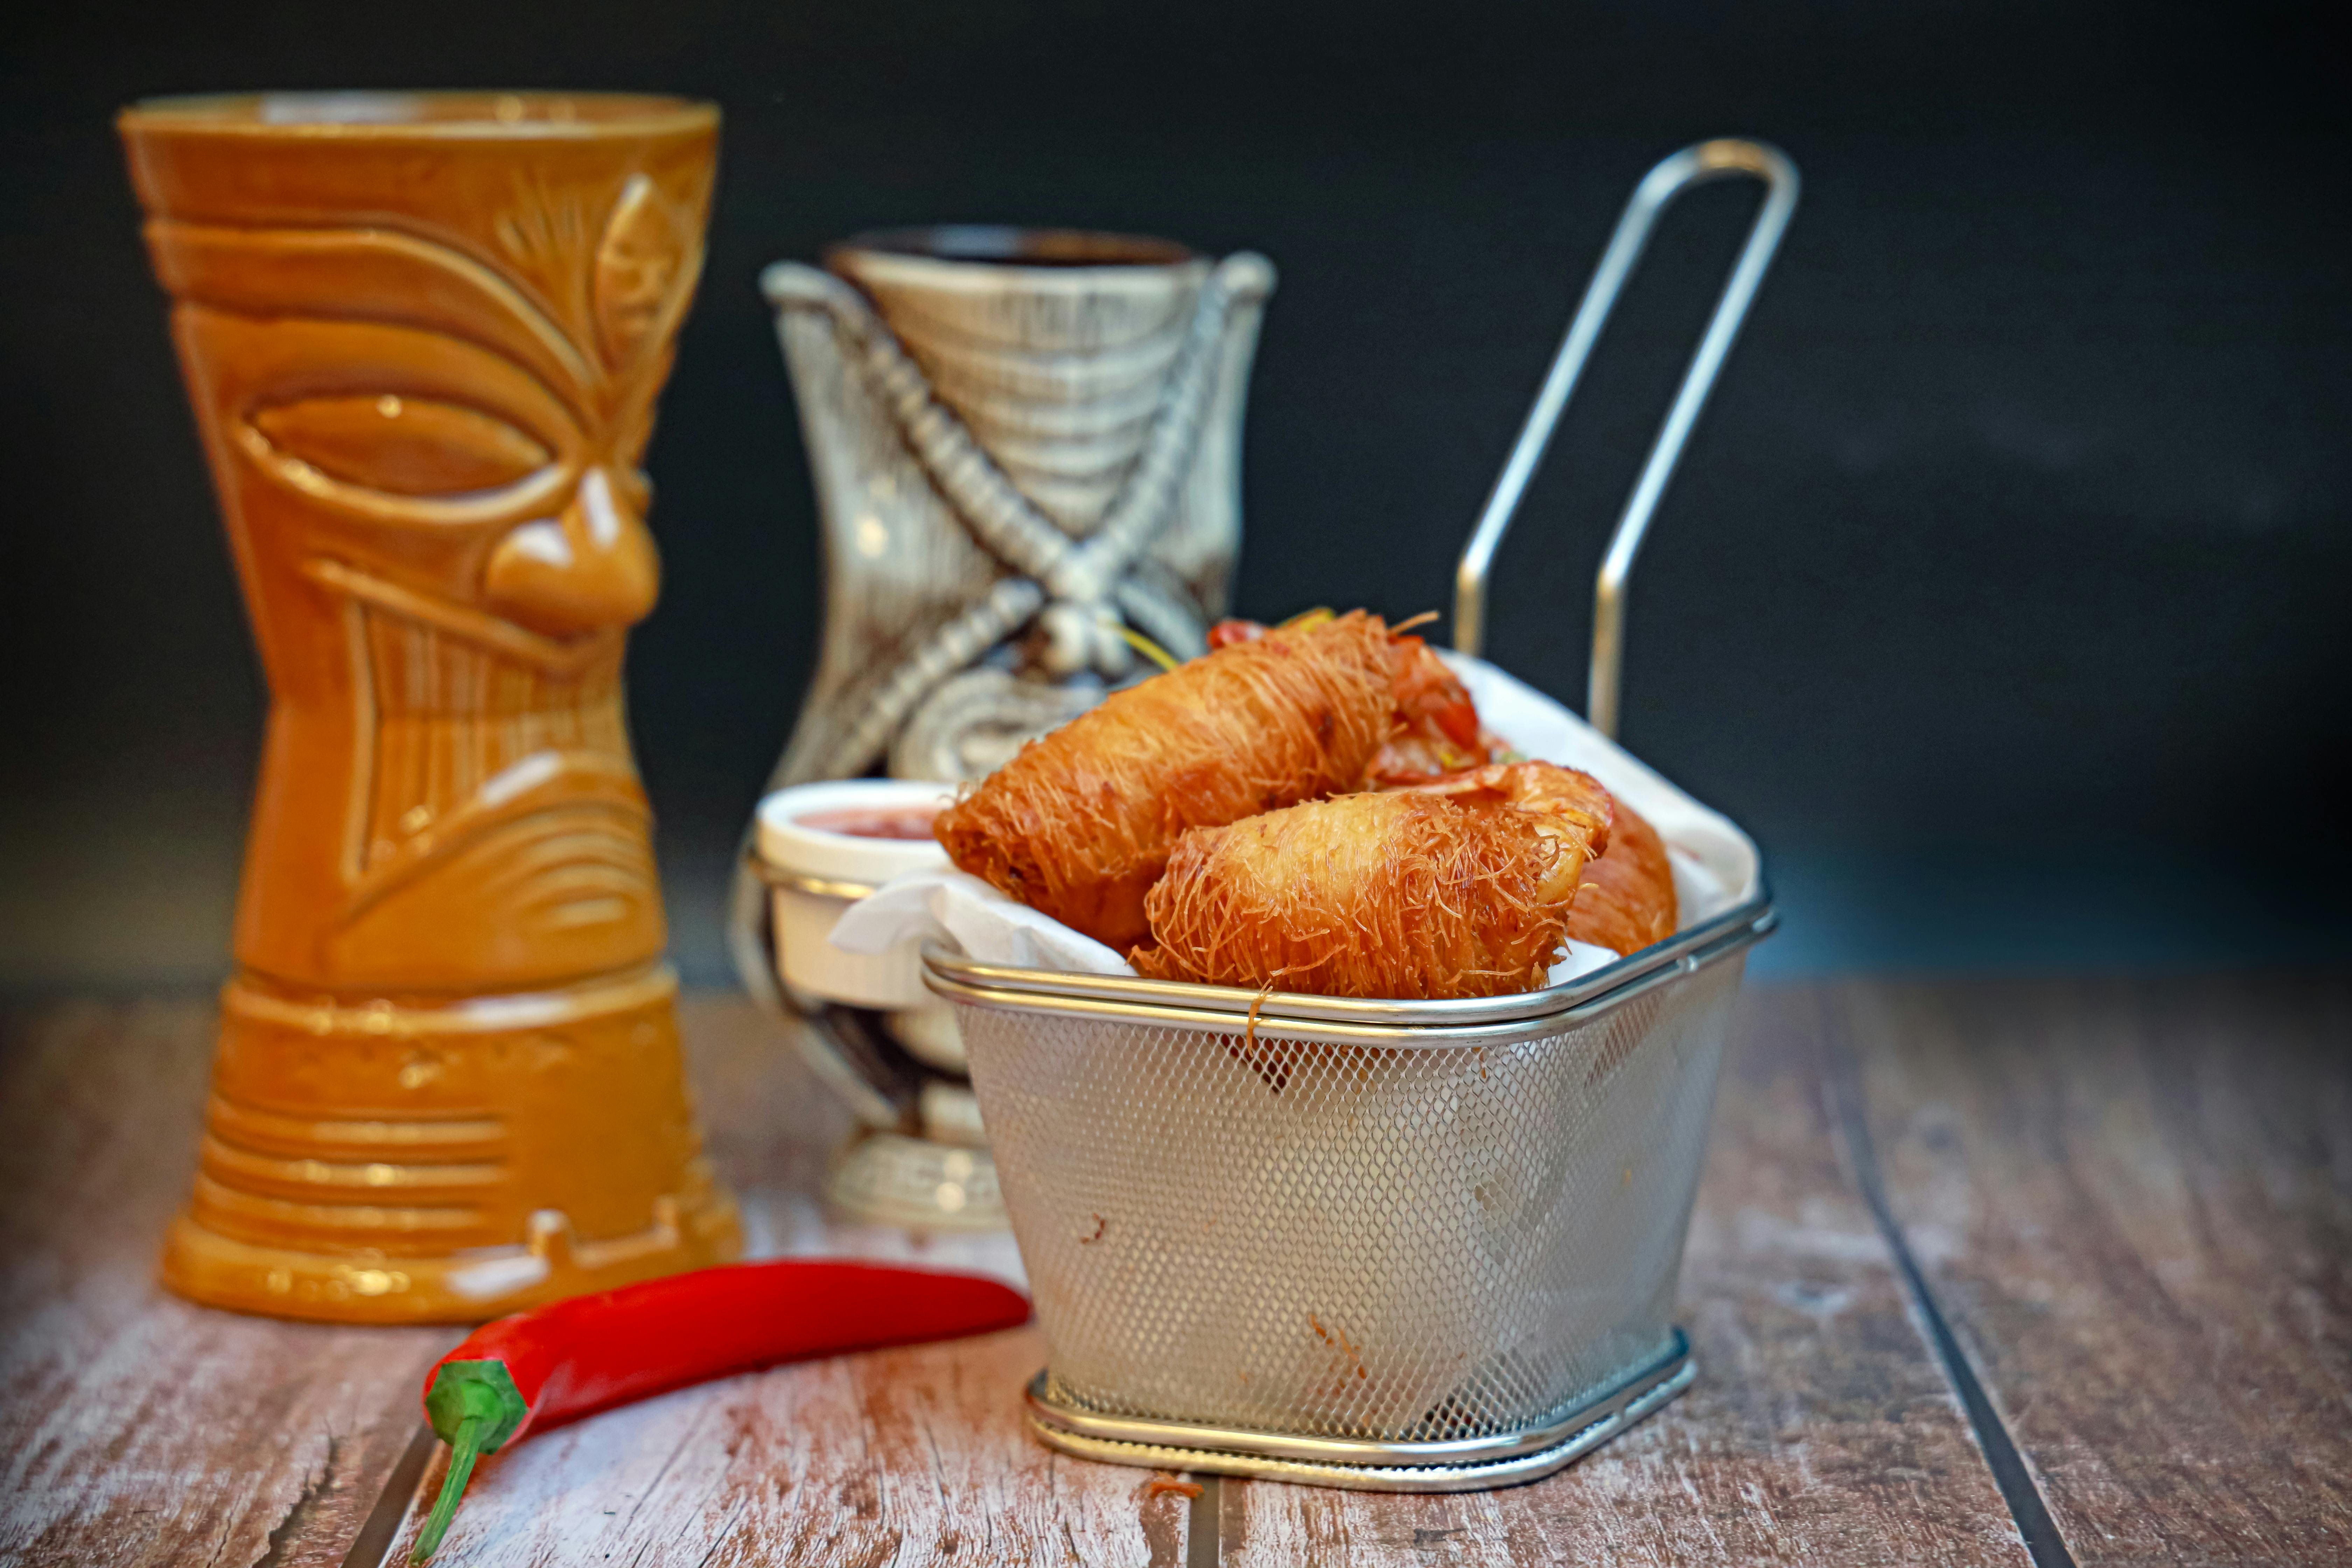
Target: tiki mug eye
(407, 446)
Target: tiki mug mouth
(399, 116)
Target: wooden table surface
(2017, 1272)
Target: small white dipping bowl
(816, 873)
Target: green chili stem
(463, 1453)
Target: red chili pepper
(543, 1368)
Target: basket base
(1358, 1466)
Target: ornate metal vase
(1022, 441)
(1026, 449)
(423, 335)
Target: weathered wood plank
(2134, 1206)
(140, 1430)
(137, 1430)
(2133, 1203)
(1820, 1429)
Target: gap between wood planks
(1841, 1087)
(1203, 1522)
(377, 1532)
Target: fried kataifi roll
(1460, 888)
(1079, 824)
(1433, 730)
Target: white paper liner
(1716, 866)
(957, 909)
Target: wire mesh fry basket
(1390, 1246)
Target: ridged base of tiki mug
(398, 1163)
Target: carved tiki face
(423, 339)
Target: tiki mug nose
(593, 567)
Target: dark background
(2004, 594)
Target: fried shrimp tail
(1461, 888)
(1628, 899)
(1079, 825)
(1566, 806)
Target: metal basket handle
(1691, 166)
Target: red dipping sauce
(904, 822)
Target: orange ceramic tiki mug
(423, 335)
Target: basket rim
(1470, 1021)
